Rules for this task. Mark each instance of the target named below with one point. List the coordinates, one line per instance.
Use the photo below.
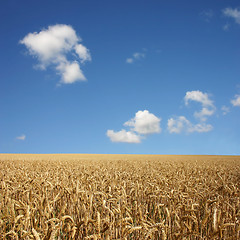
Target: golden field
(81, 196)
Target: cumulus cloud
(208, 107)
(136, 56)
(53, 46)
(233, 13)
(182, 124)
(236, 101)
(123, 136)
(198, 96)
(144, 123)
(22, 137)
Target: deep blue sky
(182, 46)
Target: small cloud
(182, 124)
(233, 13)
(208, 108)
(129, 60)
(83, 53)
(22, 137)
(207, 15)
(123, 136)
(225, 110)
(236, 101)
(198, 96)
(136, 56)
(53, 46)
(144, 123)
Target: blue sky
(139, 77)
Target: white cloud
(233, 13)
(53, 45)
(204, 113)
(70, 72)
(22, 137)
(236, 101)
(198, 96)
(182, 124)
(144, 123)
(225, 110)
(123, 136)
(136, 56)
(83, 53)
(208, 107)
(177, 125)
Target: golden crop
(119, 197)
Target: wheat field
(81, 196)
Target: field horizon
(120, 154)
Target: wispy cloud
(225, 110)
(207, 15)
(22, 137)
(232, 13)
(135, 57)
(226, 27)
(129, 60)
(182, 124)
(236, 101)
(143, 124)
(53, 46)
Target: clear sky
(139, 77)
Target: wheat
(35, 234)
(119, 197)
